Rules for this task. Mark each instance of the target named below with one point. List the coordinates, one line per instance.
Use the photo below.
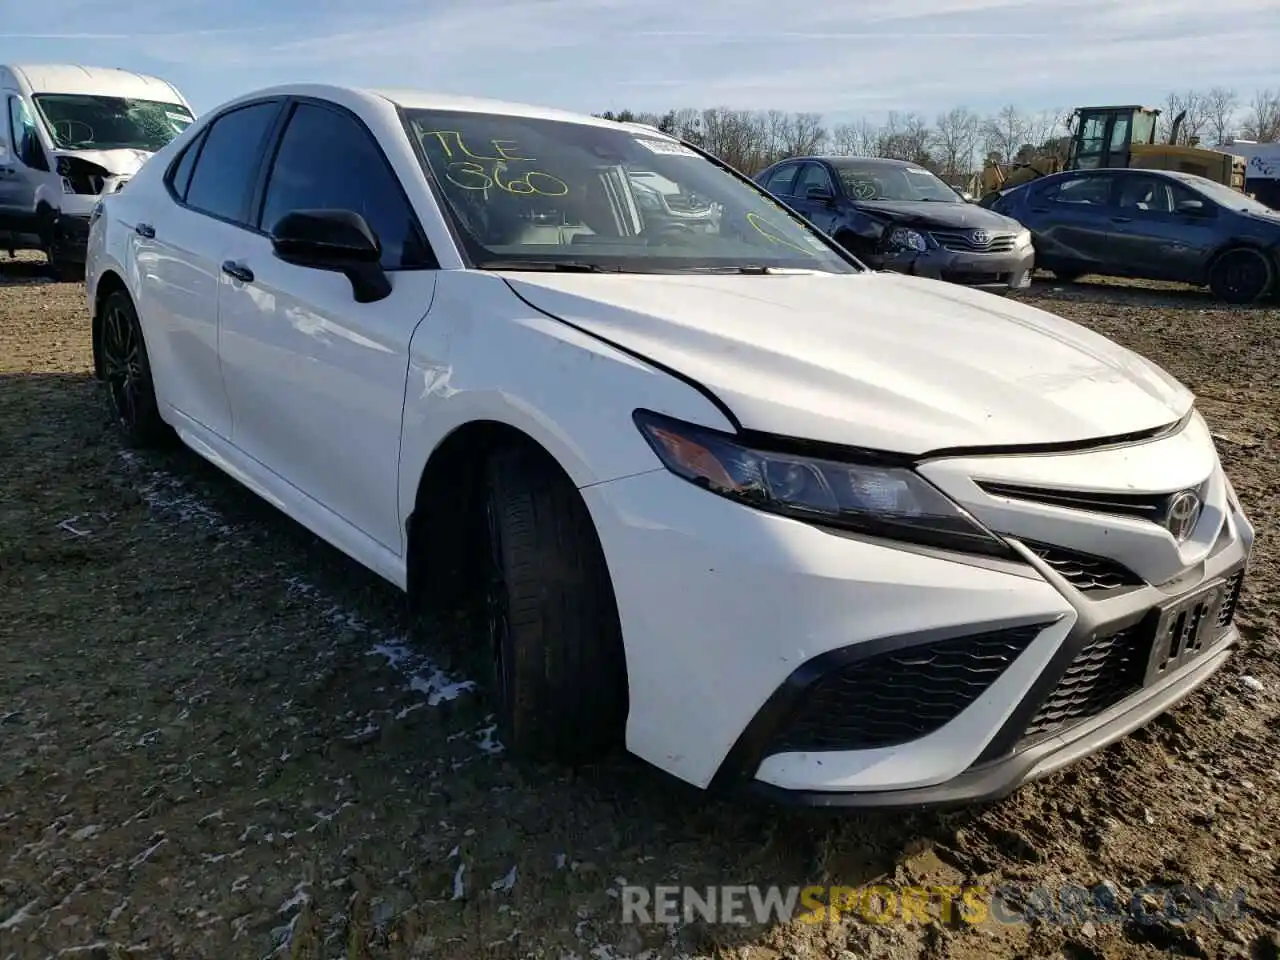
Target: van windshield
(80, 121)
(541, 194)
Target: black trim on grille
(773, 718)
(900, 695)
(1107, 670)
(1084, 571)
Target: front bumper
(747, 635)
(71, 236)
(1011, 271)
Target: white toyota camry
(762, 515)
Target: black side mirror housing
(819, 194)
(337, 240)
(1193, 208)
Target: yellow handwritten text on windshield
(469, 170)
(770, 231)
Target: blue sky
(843, 58)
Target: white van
(69, 135)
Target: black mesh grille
(896, 697)
(1084, 571)
(1106, 671)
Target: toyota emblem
(1182, 514)
(981, 237)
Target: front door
(821, 213)
(1074, 221)
(24, 166)
(1153, 239)
(316, 380)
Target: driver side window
(26, 141)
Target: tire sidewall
(148, 425)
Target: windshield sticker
(666, 147)
(468, 170)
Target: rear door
(179, 248)
(1072, 220)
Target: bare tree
(905, 136)
(1005, 133)
(1262, 123)
(1194, 121)
(1221, 104)
(803, 134)
(857, 139)
(955, 138)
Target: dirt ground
(220, 738)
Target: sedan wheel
(1241, 276)
(126, 371)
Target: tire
(1241, 275)
(558, 674)
(64, 271)
(1067, 276)
(126, 372)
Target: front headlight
(880, 500)
(904, 238)
(1023, 239)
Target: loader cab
(1103, 136)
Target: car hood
(931, 214)
(877, 360)
(120, 163)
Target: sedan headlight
(877, 499)
(904, 238)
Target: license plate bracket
(1185, 628)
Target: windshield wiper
(754, 269)
(570, 266)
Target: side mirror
(337, 240)
(819, 194)
(1191, 207)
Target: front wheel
(1240, 276)
(558, 667)
(126, 371)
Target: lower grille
(963, 277)
(1231, 601)
(899, 696)
(1084, 571)
(1106, 671)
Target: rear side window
(1079, 191)
(328, 161)
(227, 166)
(180, 174)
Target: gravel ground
(220, 738)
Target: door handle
(145, 230)
(237, 271)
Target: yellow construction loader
(1115, 137)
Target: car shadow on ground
(24, 270)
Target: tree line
(955, 142)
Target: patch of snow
(459, 890)
(506, 883)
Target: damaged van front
(73, 135)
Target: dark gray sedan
(1151, 225)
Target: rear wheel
(1067, 276)
(558, 667)
(126, 371)
(1242, 275)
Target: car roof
(75, 78)
(836, 161)
(427, 100)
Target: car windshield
(532, 193)
(883, 181)
(92, 122)
(1231, 199)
